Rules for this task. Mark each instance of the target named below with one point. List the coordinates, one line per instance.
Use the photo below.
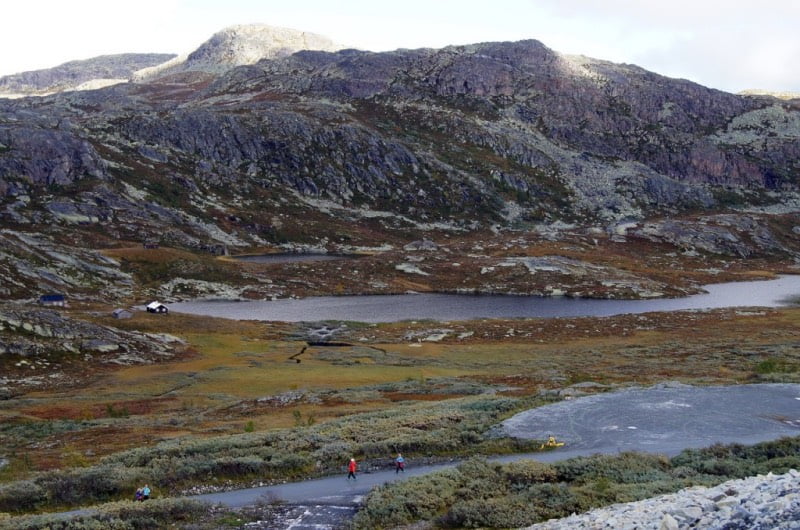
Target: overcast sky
(731, 45)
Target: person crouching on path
(399, 464)
(351, 469)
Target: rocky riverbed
(765, 501)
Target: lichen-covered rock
(43, 157)
(462, 131)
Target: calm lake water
(393, 308)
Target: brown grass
(215, 388)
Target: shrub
(156, 513)
(404, 502)
(237, 466)
(21, 496)
(528, 472)
(330, 456)
(625, 468)
(779, 464)
(554, 500)
(454, 427)
(775, 366)
(116, 413)
(482, 494)
(502, 512)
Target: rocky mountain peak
(241, 45)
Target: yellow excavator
(551, 443)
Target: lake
(393, 308)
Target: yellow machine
(551, 443)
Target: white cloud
(729, 45)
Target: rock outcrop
(772, 93)
(35, 264)
(41, 348)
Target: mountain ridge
(73, 74)
(230, 47)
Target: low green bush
(459, 427)
(479, 494)
(155, 513)
(416, 498)
(526, 472)
(775, 366)
(21, 496)
(496, 512)
(625, 468)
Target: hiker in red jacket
(351, 469)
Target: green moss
(775, 366)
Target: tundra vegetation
(235, 408)
(480, 494)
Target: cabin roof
(52, 298)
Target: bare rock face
(772, 93)
(54, 156)
(240, 45)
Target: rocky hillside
(346, 149)
(76, 75)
